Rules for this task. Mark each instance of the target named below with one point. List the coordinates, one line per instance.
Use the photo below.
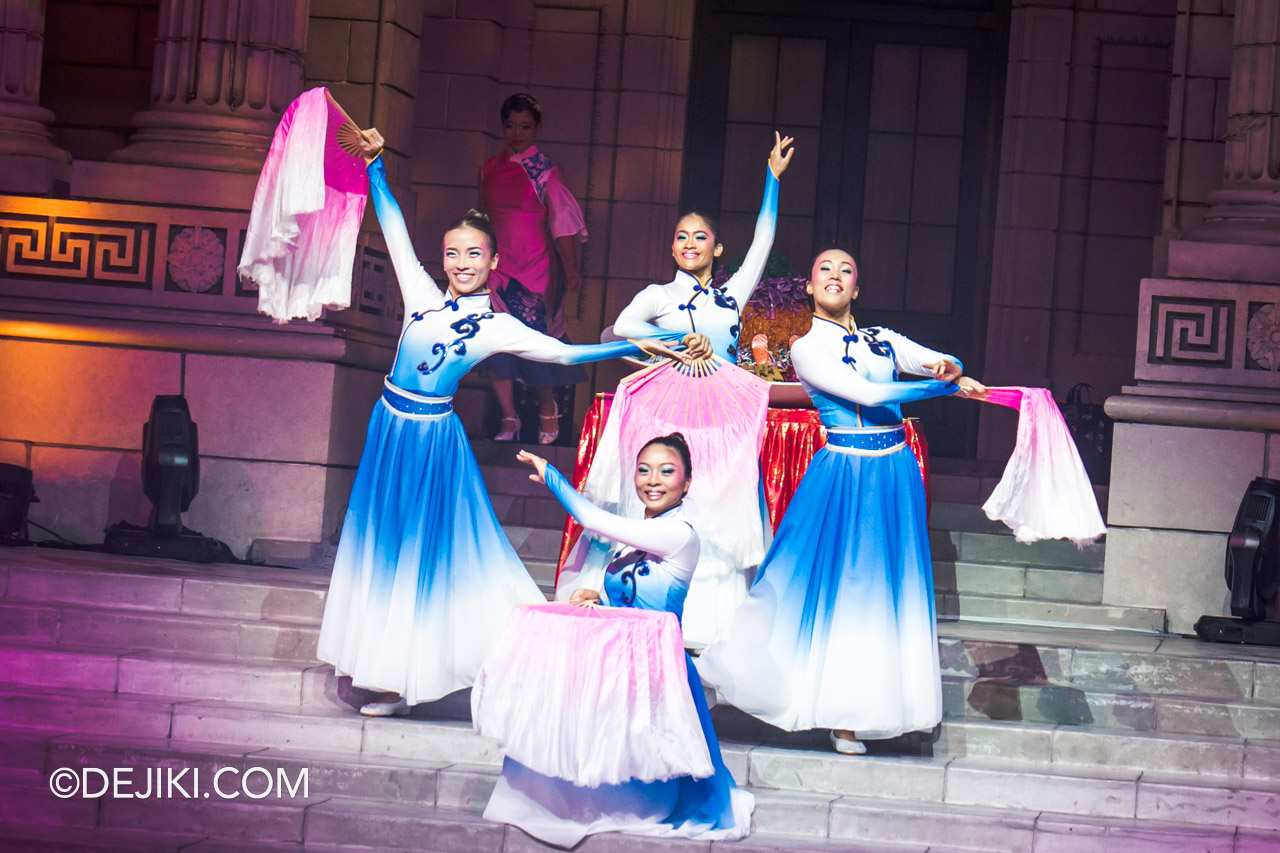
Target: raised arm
(832, 376)
(744, 281)
(663, 537)
(416, 286)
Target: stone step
(331, 821)
(832, 805)
(38, 839)
(31, 838)
(151, 673)
(502, 454)
(1034, 582)
(987, 547)
(1042, 612)
(1103, 660)
(975, 828)
(233, 636)
(97, 580)
(1008, 659)
(528, 510)
(1066, 705)
(1247, 756)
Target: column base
(191, 141)
(1177, 570)
(138, 183)
(1179, 470)
(30, 164)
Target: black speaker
(1252, 571)
(170, 462)
(1251, 566)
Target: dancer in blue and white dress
(732, 522)
(839, 629)
(424, 577)
(650, 570)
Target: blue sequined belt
(407, 404)
(867, 441)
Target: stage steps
(981, 573)
(197, 630)
(1056, 738)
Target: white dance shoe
(398, 708)
(846, 746)
(507, 431)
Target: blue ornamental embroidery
(538, 167)
(466, 328)
(877, 346)
(638, 567)
(724, 300)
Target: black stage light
(17, 492)
(170, 462)
(1252, 571)
(170, 480)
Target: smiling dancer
(839, 630)
(650, 570)
(424, 576)
(732, 520)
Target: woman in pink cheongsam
(540, 229)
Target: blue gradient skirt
(558, 812)
(425, 577)
(839, 629)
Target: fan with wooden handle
(363, 144)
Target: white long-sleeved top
(686, 305)
(852, 373)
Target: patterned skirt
(529, 308)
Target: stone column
(224, 72)
(29, 161)
(1203, 418)
(1247, 208)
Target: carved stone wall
(1086, 108)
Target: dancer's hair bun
(479, 220)
(675, 441)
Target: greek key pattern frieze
(90, 251)
(1189, 331)
(157, 256)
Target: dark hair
(522, 102)
(675, 441)
(707, 218)
(480, 222)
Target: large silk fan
(721, 410)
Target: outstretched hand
(972, 389)
(539, 466)
(778, 161)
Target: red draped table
(791, 437)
